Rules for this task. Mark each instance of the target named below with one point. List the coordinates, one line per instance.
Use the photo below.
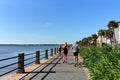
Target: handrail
(42, 51)
(29, 63)
(29, 54)
(8, 65)
(8, 58)
(49, 50)
(42, 54)
(29, 58)
(21, 60)
(8, 72)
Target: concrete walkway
(56, 70)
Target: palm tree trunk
(114, 35)
(118, 35)
(111, 41)
(106, 40)
(101, 41)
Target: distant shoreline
(30, 44)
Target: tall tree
(111, 26)
(105, 35)
(89, 40)
(84, 42)
(110, 35)
(94, 37)
(101, 33)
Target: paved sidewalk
(56, 70)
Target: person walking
(59, 50)
(75, 49)
(65, 52)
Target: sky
(54, 21)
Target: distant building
(116, 38)
(117, 33)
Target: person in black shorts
(75, 48)
(75, 53)
(59, 50)
(65, 52)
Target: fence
(26, 59)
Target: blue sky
(54, 21)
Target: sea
(7, 51)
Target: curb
(86, 70)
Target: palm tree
(110, 34)
(105, 35)
(80, 43)
(101, 33)
(94, 37)
(84, 42)
(112, 25)
(89, 40)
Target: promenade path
(56, 70)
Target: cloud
(46, 24)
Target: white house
(117, 33)
(115, 38)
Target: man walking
(75, 48)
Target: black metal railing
(8, 65)
(25, 60)
(29, 59)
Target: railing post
(57, 50)
(54, 50)
(51, 52)
(20, 63)
(46, 54)
(37, 57)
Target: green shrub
(103, 62)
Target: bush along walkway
(55, 69)
(102, 61)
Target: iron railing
(25, 60)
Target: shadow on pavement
(41, 71)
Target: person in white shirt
(75, 49)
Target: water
(7, 51)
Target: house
(116, 37)
(117, 34)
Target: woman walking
(59, 50)
(65, 52)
